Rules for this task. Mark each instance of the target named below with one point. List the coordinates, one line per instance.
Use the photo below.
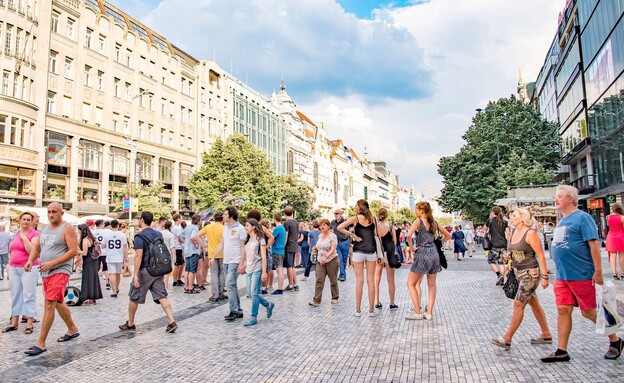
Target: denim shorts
(191, 263)
(289, 259)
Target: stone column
(73, 170)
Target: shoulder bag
(378, 247)
(511, 284)
(438, 244)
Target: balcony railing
(585, 184)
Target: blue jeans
(256, 298)
(343, 255)
(399, 251)
(248, 284)
(231, 272)
(305, 256)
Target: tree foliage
(508, 144)
(149, 197)
(297, 194)
(238, 169)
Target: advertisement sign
(126, 204)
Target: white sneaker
(414, 316)
(372, 313)
(428, 316)
(358, 313)
(334, 301)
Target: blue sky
(402, 78)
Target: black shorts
(103, 263)
(179, 260)
(289, 259)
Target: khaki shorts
(528, 282)
(115, 267)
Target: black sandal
(616, 277)
(9, 329)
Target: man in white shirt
(178, 266)
(116, 246)
(232, 246)
(100, 233)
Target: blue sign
(126, 204)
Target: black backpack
(157, 258)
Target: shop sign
(8, 193)
(596, 204)
(6, 200)
(16, 154)
(610, 199)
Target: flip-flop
(34, 351)
(501, 343)
(29, 330)
(541, 340)
(67, 338)
(9, 329)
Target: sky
(398, 79)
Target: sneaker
(393, 307)
(113, 295)
(277, 292)
(213, 299)
(270, 309)
(223, 297)
(414, 316)
(251, 322)
(334, 301)
(171, 327)
(108, 286)
(314, 304)
(289, 288)
(126, 327)
(615, 350)
(428, 316)
(264, 292)
(358, 313)
(378, 306)
(296, 287)
(231, 317)
(372, 313)
(239, 315)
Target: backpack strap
(144, 237)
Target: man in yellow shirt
(210, 238)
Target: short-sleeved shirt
(279, 235)
(5, 240)
(169, 239)
(323, 245)
(292, 229)
(114, 242)
(19, 255)
(570, 247)
(253, 255)
(497, 233)
(188, 233)
(233, 238)
(304, 242)
(314, 234)
(100, 235)
(139, 243)
(177, 230)
(214, 234)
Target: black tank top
(522, 254)
(367, 233)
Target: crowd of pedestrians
(268, 251)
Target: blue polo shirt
(279, 246)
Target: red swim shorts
(54, 287)
(575, 293)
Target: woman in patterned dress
(426, 259)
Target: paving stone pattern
(304, 344)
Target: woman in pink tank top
(615, 239)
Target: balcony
(585, 184)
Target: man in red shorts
(57, 247)
(576, 253)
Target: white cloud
(404, 84)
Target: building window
(69, 68)
(70, 28)
(5, 82)
(115, 122)
(127, 92)
(116, 87)
(128, 58)
(87, 76)
(118, 52)
(67, 106)
(55, 22)
(150, 131)
(86, 112)
(51, 97)
(145, 166)
(88, 38)
(126, 126)
(8, 36)
(119, 161)
(102, 44)
(89, 155)
(165, 171)
(162, 136)
(52, 63)
(100, 81)
(18, 42)
(141, 130)
(99, 116)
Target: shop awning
(43, 214)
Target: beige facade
(108, 103)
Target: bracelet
(545, 277)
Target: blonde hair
(526, 216)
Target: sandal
(541, 340)
(616, 277)
(9, 329)
(34, 351)
(25, 320)
(29, 330)
(501, 343)
(67, 337)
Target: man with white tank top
(57, 247)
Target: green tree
(298, 195)
(149, 197)
(404, 214)
(235, 167)
(508, 144)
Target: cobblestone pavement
(300, 343)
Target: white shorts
(115, 267)
(361, 257)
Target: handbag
(511, 284)
(438, 244)
(378, 247)
(392, 256)
(487, 243)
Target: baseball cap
(90, 222)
